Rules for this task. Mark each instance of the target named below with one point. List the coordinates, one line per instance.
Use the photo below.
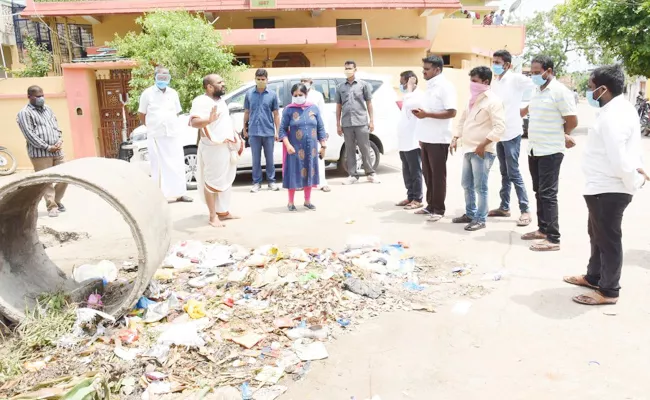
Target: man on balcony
(158, 110)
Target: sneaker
(475, 226)
(292, 207)
(462, 220)
(53, 213)
(61, 207)
(373, 178)
(256, 188)
(351, 180)
(273, 187)
(310, 206)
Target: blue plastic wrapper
(144, 303)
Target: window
(264, 23)
(348, 27)
(278, 88)
(238, 98)
(446, 59)
(326, 87)
(242, 59)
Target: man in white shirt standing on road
(316, 98)
(438, 108)
(613, 172)
(510, 87)
(407, 142)
(552, 119)
(158, 110)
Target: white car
(383, 140)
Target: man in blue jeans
(480, 128)
(261, 123)
(510, 87)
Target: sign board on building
(262, 3)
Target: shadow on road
(553, 303)
(640, 258)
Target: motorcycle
(643, 108)
(8, 162)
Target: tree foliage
(620, 26)
(187, 44)
(39, 60)
(555, 34)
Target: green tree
(39, 60)
(555, 34)
(619, 26)
(185, 43)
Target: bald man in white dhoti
(219, 150)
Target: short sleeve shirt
(547, 110)
(222, 128)
(440, 95)
(353, 97)
(161, 109)
(260, 107)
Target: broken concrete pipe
(26, 271)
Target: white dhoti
(168, 165)
(215, 173)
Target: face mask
(476, 88)
(299, 100)
(261, 84)
(307, 85)
(402, 88)
(162, 84)
(498, 69)
(39, 102)
(349, 73)
(590, 98)
(539, 80)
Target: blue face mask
(539, 80)
(498, 69)
(590, 98)
(162, 84)
(402, 89)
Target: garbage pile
(227, 318)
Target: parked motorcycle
(643, 108)
(8, 162)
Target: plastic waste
(363, 242)
(126, 354)
(104, 270)
(144, 303)
(194, 309)
(246, 392)
(302, 371)
(157, 311)
(299, 255)
(413, 286)
(95, 301)
(494, 276)
(270, 374)
(128, 336)
(343, 322)
(182, 334)
(310, 352)
(313, 332)
(159, 352)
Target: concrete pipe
(26, 271)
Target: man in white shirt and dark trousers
(158, 110)
(612, 167)
(438, 108)
(552, 119)
(510, 87)
(407, 142)
(316, 98)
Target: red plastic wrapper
(128, 336)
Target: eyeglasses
(163, 77)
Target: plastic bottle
(246, 392)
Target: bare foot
(215, 222)
(227, 217)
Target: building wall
(461, 36)
(13, 97)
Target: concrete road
(525, 340)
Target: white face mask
(299, 99)
(307, 85)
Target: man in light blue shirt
(261, 123)
(552, 119)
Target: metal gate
(112, 91)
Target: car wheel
(190, 167)
(375, 155)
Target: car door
(279, 87)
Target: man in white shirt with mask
(612, 165)
(316, 98)
(158, 110)
(510, 87)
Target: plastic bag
(185, 334)
(194, 309)
(104, 270)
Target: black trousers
(434, 169)
(545, 171)
(412, 173)
(604, 227)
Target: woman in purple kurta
(300, 130)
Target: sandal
(545, 246)
(326, 189)
(403, 203)
(414, 205)
(594, 298)
(499, 213)
(537, 235)
(579, 280)
(422, 211)
(524, 220)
